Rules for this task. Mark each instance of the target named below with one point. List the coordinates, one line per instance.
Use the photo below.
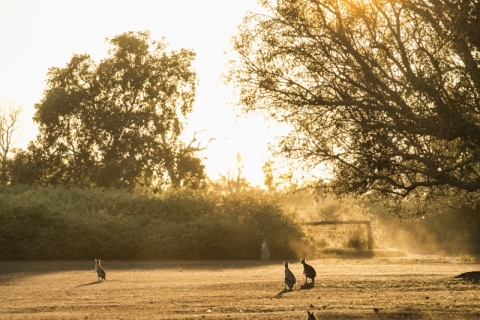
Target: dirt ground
(376, 288)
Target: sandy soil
(378, 288)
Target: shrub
(59, 223)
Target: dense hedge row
(57, 223)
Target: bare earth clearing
(378, 288)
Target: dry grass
(378, 288)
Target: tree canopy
(117, 123)
(384, 93)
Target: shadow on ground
(88, 284)
(307, 286)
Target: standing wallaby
(290, 280)
(265, 252)
(311, 316)
(100, 271)
(308, 271)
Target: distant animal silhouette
(290, 280)
(308, 271)
(100, 271)
(473, 276)
(311, 316)
(265, 252)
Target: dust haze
(450, 231)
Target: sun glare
(37, 35)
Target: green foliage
(74, 223)
(116, 123)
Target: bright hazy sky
(38, 34)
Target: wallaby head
(285, 264)
(302, 261)
(311, 316)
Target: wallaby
(311, 316)
(290, 280)
(100, 271)
(308, 271)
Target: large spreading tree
(116, 123)
(383, 93)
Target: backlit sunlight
(37, 35)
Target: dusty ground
(378, 288)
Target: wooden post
(370, 236)
(368, 224)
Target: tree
(268, 179)
(117, 123)
(29, 167)
(183, 167)
(233, 183)
(386, 94)
(9, 122)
